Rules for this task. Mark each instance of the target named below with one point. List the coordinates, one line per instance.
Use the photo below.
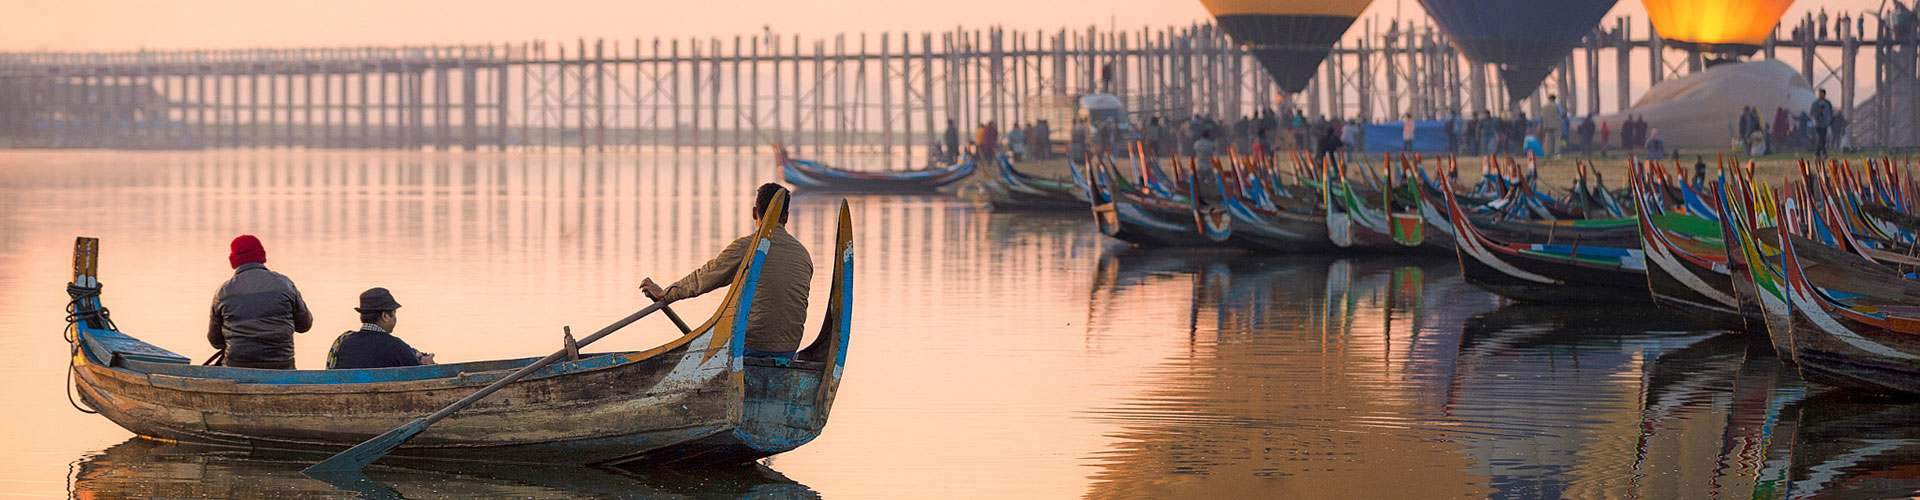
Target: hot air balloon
(1527, 39)
(1289, 37)
(1738, 26)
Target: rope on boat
(79, 307)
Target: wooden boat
(1576, 261)
(1138, 217)
(1855, 324)
(695, 400)
(1351, 223)
(1256, 221)
(808, 175)
(1685, 250)
(1759, 284)
(1011, 189)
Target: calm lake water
(993, 355)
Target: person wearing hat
(373, 345)
(256, 312)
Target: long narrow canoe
(1010, 189)
(1254, 225)
(697, 400)
(809, 175)
(1855, 323)
(1140, 218)
(1753, 258)
(1686, 254)
(1574, 261)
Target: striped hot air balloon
(1740, 26)
(1289, 37)
(1526, 39)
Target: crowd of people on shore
(1548, 132)
(1817, 129)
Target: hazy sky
(95, 25)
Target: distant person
(1329, 144)
(1038, 145)
(1585, 133)
(777, 315)
(1782, 128)
(1553, 121)
(1606, 137)
(1017, 142)
(1453, 128)
(1656, 147)
(952, 137)
(256, 312)
(1406, 132)
(1822, 113)
(374, 345)
(1700, 172)
(1627, 130)
(982, 150)
(1205, 148)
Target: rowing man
(779, 308)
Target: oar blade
(361, 455)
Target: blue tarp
(1429, 136)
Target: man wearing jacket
(257, 311)
(777, 315)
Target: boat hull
(1850, 346)
(1556, 271)
(1012, 190)
(806, 175)
(696, 399)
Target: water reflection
(1319, 377)
(996, 355)
(141, 468)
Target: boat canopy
(1526, 39)
(1740, 26)
(1289, 37)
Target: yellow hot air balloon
(1722, 25)
(1289, 37)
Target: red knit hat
(247, 250)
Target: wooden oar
(360, 455)
(677, 322)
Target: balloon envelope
(1289, 37)
(1716, 24)
(1526, 38)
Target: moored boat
(1563, 260)
(1753, 257)
(1139, 217)
(1685, 250)
(698, 399)
(1855, 324)
(1258, 222)
(809, 175)
(1011, 189)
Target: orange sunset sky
(114, 25)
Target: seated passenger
(256, 312)
(373, 345)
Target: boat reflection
(147, 469)
(1303, 377)
(1313, 377)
